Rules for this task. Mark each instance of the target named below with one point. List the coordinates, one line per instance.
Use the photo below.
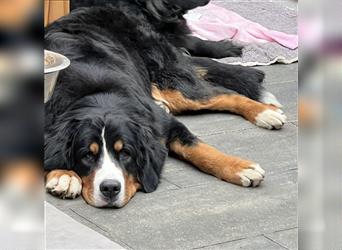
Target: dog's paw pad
(66, 185)
(271, 119)
(252, 176)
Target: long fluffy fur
(117, 52)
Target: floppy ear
(59, 139)
(151, 155)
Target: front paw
(242, 172)
(270, 119)
(251, 176)
(63, 184)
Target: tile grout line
(259, 235)
(283, 230)
(294, 123)
(224, 132)
(179, 187)
(220, 243)
(275, 242)
(121, 242)
(102, 229)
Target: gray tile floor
(192, 210)
(63, 233)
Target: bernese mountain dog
(110, 124)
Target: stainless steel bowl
(51, 72)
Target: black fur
(116, 52)
(167, 16)
(246, 81)
(137, 121)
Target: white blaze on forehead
(107, 169)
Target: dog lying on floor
(108, 131)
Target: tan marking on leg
(118, 145)
(94, 148)
(210, 160)
(131, 187)
(234, 103)
(88, 188)
(59, 172)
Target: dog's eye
(89, 156)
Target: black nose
(110, 188)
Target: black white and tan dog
(110, 124)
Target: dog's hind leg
(204, 48)
(210, 160)
(244, 80)
(260, 114)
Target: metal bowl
(51, 72)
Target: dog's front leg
(210, 160)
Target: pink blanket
(215, 23)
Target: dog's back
(106, 46)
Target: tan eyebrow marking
(94, 148)
(118, 145)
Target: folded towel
(215, 23)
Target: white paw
(271, 119)
(64, 186)
(163, 106)
(269, 98)
(252, 176)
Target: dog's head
(171, 10)
(114, 153)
